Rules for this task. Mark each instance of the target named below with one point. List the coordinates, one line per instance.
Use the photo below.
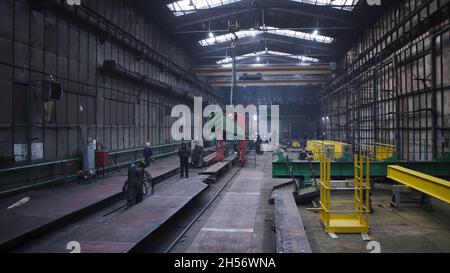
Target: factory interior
(225, 126)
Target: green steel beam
(305, 169)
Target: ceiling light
(254, 32)
(302, 59)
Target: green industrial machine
(305, 171)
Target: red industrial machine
(220, 153)
(101, 159)
(242, 152)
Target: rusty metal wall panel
(47, 43)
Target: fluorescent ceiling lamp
(183, 7)
(228, 37)
(300, 35)
(337, 4)
(272, 30)
(259, 54)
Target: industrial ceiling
(273, 33)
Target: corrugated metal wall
(396, 87)
(38, 40)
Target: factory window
(315, 36)
(337, 4)
(184, 7)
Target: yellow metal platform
(346, 224)
(355, 220)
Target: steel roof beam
(267, 83)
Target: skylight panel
(337, 4)
(228, 37)
(298, 57)
(269, 53)
(300, 35)
(183, 7)
(272, 30)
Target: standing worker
(304, 141)
(184, 155)
(148, 154)
(258, 145)
(197, 153)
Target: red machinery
(220, 154)
(242, 152)
(101, 159)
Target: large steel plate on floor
(128, 229)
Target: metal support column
(233, 74)
(434, 105)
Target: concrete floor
(413, 228)
(263, 237)
(410, 229)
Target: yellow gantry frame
(430, 185)
(316, 146)
(379, 151)
(384, 151)
(346, 221)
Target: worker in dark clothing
(184, 155)
(258, 145)
(133, 185)
(304, 141)
(148, 154)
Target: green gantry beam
(306, 170)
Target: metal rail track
(202, 211)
